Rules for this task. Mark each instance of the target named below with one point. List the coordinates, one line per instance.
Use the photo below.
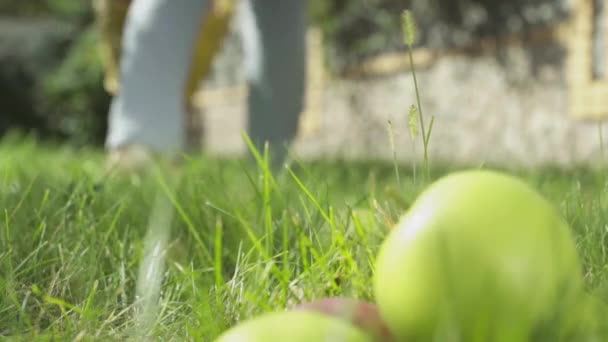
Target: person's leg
(274, 37)
(158, 45)
(110, 19)
(212, 33)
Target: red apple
(294, 326)
(362, 314)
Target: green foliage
(72, 96)
(42, 8)
(51, 72)
(355, 30)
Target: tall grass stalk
(409, 37)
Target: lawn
(242, 240)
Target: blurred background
(516, 83)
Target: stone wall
(507, 106)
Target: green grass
(243, 240)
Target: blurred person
(110, 17)
(165, 47)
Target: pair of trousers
(157, 51)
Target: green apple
(295, 326)
(479, 256)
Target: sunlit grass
(244, 239)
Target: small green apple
(480, 255)
(295, 326)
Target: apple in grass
(295, 326)
(362, 314)
(479, 255)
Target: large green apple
(295, 326)
(480, 256)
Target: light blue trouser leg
(160, 36)
(274, 33)
(158, 44)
